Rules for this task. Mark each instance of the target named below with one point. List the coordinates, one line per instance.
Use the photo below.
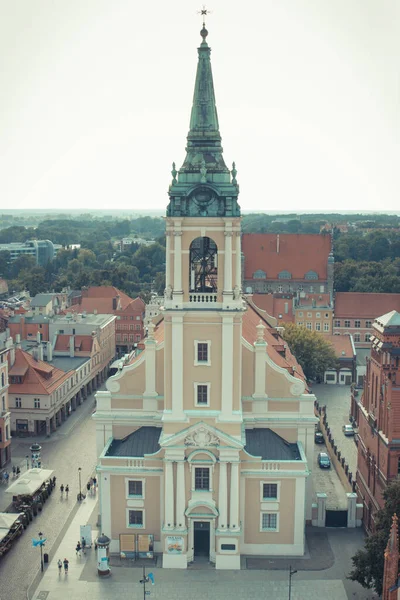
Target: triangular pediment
(200, 435)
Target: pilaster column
(223, 495)
(177, 374)
(234, 497)
(227, 367)
(149, 396)
(238, 260)
(177, 262)
(169, 499)
(228, 263)
(167, 259)
(180, 495)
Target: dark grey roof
(142, 441)
(68, 363)
(42, 299)
(33, 319)
(269, 445)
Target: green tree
(368, 562)
(23, 262)
(311, 350)
(5, 259)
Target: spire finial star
(204, 12)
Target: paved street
(337, 400)
(271, 583)
(327, 481)
(64, 453)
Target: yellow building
(206, 439)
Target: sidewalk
(82, 580)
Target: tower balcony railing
(202, 297)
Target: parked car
(324, 461)
(348, 430)
(318, 437)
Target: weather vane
(204, 12)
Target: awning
(7, 520)
(30, 482)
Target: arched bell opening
(203, 266)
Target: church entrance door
(201, 538)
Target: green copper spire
(203, 186)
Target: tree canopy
(311, 350)
(368, 563)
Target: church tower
(203, 267)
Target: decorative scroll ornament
(201, 437)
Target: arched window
(284, 275)
(203, 265)
(311, 275)
(259, 274)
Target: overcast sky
(95, 99)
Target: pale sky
(95, 99)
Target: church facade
(206, 439)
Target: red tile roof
(82, 343)
(366, 305)
(101, 299)
(296, 253)
(276, 344)
(274, 306)
(319, 300)
(39, 377)
(341, 344)
(107, 291)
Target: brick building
(355, 313)
(377, 414)
(130, 313)
(5, 430)
(287, 263)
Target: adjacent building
(129, 313)
(377, 414)
(355, 313)
(297, 264)
(5, 420)
(206, 439)
(345, 371)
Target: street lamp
(290, 580)
(41, 550)
(80, 483)
(145, 579)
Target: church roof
(142, 441)
(269, 445)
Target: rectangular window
(137, 338)
(135, 488)
(300, 313)
(228, 546)
(202, 394)
(270, 491)
(309, 314)
(136, 518)
(357, 323)
(300, 323)
(309, 325)
(318, 315)
(326, 326)
(318, 326)
(347, 323)
(36, 402)
(368, 324)
(337, 323)
(269, 521)
(367, 337)
(202, 352)
(357, 337)
(202, 478)
(18, 403)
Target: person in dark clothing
(78, 548)
(66, 563)
(62, 489)
(67, 490)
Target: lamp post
(290, 580)
(41, 551)
(27, 461)
(144, 580)
(80, 483)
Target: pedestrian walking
(78, 548)
(66, 563)
(59, 565)
(62, 490)
(14, 471)
(88, 487)
(83, 545)
(54, 481)
(18, 471)
(94, 482)
(66, 490)
(6, 477)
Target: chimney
(38, 338)
(40, 352)
(114, 304)
(277, 244)
(49, 351)
(286, 308)
(71, 346)
(18, 341)
(10, 345)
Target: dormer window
(311, 275)
(284, 275)
(260, 274)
